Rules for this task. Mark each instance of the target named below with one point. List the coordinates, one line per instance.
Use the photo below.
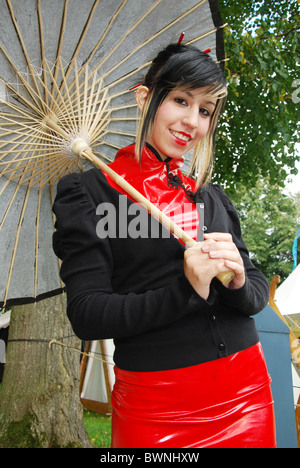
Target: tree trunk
(39, 401)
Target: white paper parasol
(71, 64)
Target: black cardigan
(135, 290)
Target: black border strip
(30, 300)
(218, 22)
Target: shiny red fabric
(149, 177)
(225, 403)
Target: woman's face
(181, 122)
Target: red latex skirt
(225, 403)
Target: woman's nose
(191, 118)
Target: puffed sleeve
(94, 309)
(253, 297)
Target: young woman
(189, 367)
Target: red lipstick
(178, 140)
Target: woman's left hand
(219, 245)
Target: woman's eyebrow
(212, 103)
(190, 94)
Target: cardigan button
(221, 346)
(213, 318)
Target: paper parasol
(66, 72)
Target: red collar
(150, 158)
(164, 174)
(161, 182)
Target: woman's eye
(204, 112)
(181, 101)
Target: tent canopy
(287, 296)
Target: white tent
(287, 296)
(5, 319)
(97, 376)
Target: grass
(98, 428)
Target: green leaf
(261, 119)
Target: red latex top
(154, 178)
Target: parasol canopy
(67, 69)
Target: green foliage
(259, 129)
(269, 224)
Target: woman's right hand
(205, 260)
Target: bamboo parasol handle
(82, 150)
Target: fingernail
(213, 253)
(205, 248)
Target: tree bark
(39, 403)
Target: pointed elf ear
(141, 96)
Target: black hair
(186, 66)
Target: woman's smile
(181, 138)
